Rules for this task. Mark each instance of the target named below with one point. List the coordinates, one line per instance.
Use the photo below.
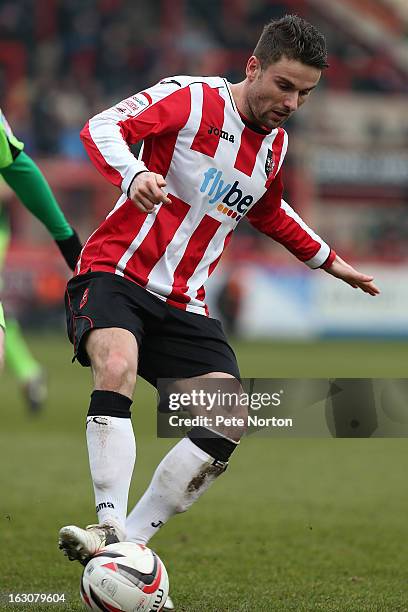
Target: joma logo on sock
(214, 131)
(104, 505)
(97, 420)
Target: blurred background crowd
(61, 61)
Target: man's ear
(253, 68)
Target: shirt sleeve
(161, 109)
(29, 184)
(272, 216)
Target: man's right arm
(161, 109)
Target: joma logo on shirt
(214, 131)
(231, 195)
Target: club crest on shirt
(269, 163)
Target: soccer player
(212, 154)
(26, 180)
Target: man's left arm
(29, 184)
(274, 217)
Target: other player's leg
(25, 367)
(2, 328)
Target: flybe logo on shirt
(229, 197)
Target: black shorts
(172, 343)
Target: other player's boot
(169, 605)
(80, 544)
(35, 392)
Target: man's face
(275, 93)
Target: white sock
(112, 454)
(184, 474)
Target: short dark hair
(294, 38)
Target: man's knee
(115, 369)
(231, 413)
(113, 356)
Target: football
(125, 577)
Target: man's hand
(71, 249)
(357, 280)
(146, 190)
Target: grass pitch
(294, 524)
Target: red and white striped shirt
(218, 169)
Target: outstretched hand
(357, 280)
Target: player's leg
(185, 473)
(17, 354)
(112, 353)
(110, 440)
(25, 367)
(194, 346)
(111, 444)
(4, 239)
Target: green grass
(294, 524)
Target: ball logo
(141, 605)
(158, 599)
(109, 586)
(231, 201)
